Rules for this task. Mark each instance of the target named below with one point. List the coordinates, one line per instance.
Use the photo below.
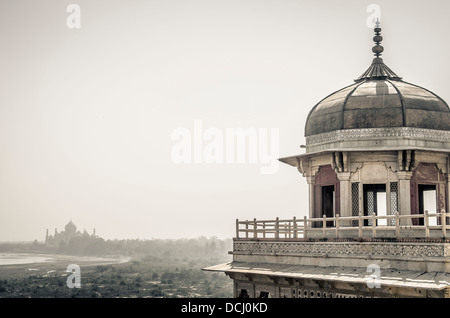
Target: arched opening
(375, 202)
(326, 195)
(428, 191)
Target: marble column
(404, 197)
(310, 181)
(346, 195)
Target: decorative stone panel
(382, 249)
(348, 134)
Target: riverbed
(23, 264)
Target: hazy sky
(87, 114)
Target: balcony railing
(394, 226)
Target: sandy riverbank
(15, 265)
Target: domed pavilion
(377, 163)
(378, 146)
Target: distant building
(59, 239)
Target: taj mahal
(62, 238)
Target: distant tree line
(96, 246)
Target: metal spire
(377, 49)
(377, 24)
(378, 70)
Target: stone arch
(326, 176)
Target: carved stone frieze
(404, 249)
(348, 134)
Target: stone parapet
(423, 256)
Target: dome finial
(377, 49)
(378, 70)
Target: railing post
(324, 225)
(305, 226)
(295, 227)
(337, 225)
(397, 225)
(237, 228)
(360, 220)
(246, 228)
(444, 223)
(374, 225)
(255, 232)
(426, 222)
(277, 229)
(264, 229)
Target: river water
(20, 258)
